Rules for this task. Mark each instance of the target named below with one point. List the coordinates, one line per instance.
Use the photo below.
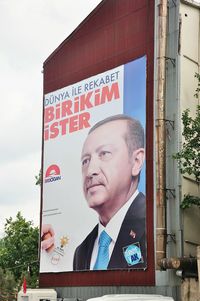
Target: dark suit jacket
(132, 231)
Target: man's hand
(48, 238)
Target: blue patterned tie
(103, 252)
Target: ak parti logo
(52, 174)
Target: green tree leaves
(7, 285)
(189, 156)
(19, 249)
(38, 178)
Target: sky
(29, 33)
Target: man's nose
(93, 167)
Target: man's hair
(134, 137)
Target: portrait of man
(112, 157)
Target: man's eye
(85, 162)
(105, 155)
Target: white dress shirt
(112, 229)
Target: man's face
(107, 167)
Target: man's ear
(138, 161)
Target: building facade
(167, 33)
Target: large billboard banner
(94, 181)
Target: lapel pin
(132, 234)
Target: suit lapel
(131, 231)
(89, 247)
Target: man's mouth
(93, 186)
